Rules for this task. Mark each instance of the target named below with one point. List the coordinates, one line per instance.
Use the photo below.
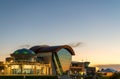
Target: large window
(65, 59)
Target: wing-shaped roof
(45, 49)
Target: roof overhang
(45, 49)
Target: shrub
(115, 76)
(28, 77)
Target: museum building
(38, 60)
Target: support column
(58, 64)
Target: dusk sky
(94, 23)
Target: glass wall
(65, 59)
(30, 69)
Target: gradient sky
(95, 23)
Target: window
(65, 59)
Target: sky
(93, 23)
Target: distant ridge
(113, 66)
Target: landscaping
(28, 77)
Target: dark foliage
(28, 77)
(115, 76)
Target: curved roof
(24, 52)
(108, 70)
(39, 49)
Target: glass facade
(29, 69)
(65, 59)
(24, 51)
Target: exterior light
(11, 61)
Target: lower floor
(39, 69)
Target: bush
(28, 77)
(115, 76)
(41, 77)
(11, 77)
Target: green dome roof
(24, 52)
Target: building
(107, 72)
(78, 68)
(91, 71)
(40, 60)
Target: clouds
(75, 44)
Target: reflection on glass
(65, 59)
